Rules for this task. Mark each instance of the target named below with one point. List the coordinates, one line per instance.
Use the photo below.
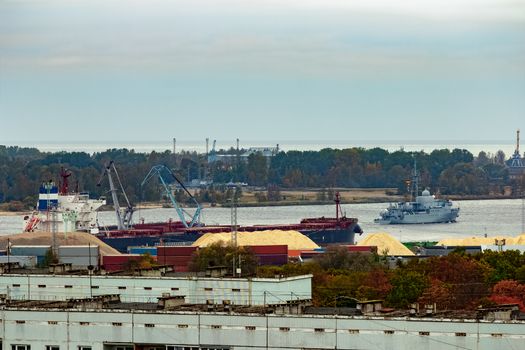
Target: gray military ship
(425, 209)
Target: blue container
(143, 250)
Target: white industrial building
(196, 290)
(69, 329)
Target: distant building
(516, 164)
(267, 152)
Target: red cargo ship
(323, 231)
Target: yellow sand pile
(386, 244)
(476, 241)
(44, 238)
(295, 240)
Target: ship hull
(425, 217)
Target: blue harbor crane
(187, 219)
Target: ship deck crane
(194, 219)
(124, 215)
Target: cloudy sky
(101, 70)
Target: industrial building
(33, 327)
(195, 290)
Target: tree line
(459, 172)
(454, 282)
(457, 281)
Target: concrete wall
(70, 329)
(244, 291)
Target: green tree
(407, 287)
(257, 169)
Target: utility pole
(54, 246)
(234, 227)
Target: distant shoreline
(288, 203)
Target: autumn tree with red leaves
(509, 292)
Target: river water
(477, 218)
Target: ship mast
(518, 141)
(415, 182)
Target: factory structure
(93, 312)
(227, 158)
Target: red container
(176, 251)
(363, 248)
(116, 267)
(174, 260)
(119, 259)
(277, 259)
(181, 269)
(269, 249)
(294, 253)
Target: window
(183, 326)
(353, 331)
(497, 335)
(388, 332)
(20, 321)
(284, 329)
(460, 334)
(174, 288)
(52, 347)
(94, 287)
(16, 285)
(216, 326)
(117, 324)
(68, 286)
(319, 330)
(41, 286)
(20, 347)
(250, 328)
(52, 322)
(208, 289)
(149, 325)
(82, 347)
(147, 288)
(121, 287)
(424, 333)
(84, 323)
(236, 290)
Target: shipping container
(80, 261)
(181, 269)
(268, 249)
(294, 253)
(115, 267)
(119, 259)
(176, 250)
(307, 255)
(276, 259)
(30, 250)
(143, 250)
(363, 248)
(78, 250)
(23, 261)
(174, 260)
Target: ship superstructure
(60, 210)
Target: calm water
(476, 218)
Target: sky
(149, 70)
